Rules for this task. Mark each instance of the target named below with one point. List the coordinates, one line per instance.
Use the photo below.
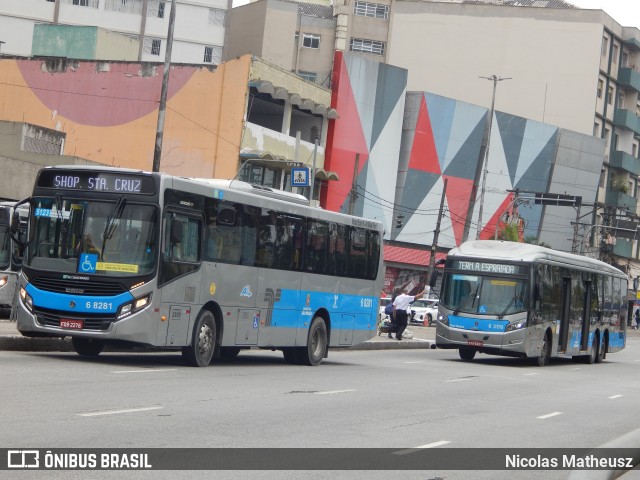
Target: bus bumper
(511, 344)
(139, 328)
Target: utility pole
(353, 195)
(436, 233)
(575, 245)
(157, 152)
(495, 79)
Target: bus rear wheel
(466, 354)
(203, 341)
(316, 347)
(602, 353)
(87, 347)
(595, 348)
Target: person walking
(401, 307)
(637, 318)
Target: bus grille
(91, 322)
(78, 287)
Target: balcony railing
(621, 200)
(629, 77)
(626, 119)
(625, 161)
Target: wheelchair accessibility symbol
(87, 263)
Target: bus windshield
(485, 295)
(116, 238)
(5, 247)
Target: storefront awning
(410, 256)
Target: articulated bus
(11, 253)
(209, 267)
(522, 300)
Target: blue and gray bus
(11, 252)
(522, 300)
(209, 267)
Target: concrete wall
(246, 32)
(552, 55)
(576, 170)
(23, 165)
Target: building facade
(199, 28)
(595, 93)
(243, 113)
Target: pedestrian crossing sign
(299, 177)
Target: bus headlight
(26, 299)
(443, 320)
(133, 307)
(3, 281)
(516, 326)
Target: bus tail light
(134, 306)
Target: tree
(533, 240)
(509, 233)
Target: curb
(18, 343)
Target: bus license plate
(474, 343)
(72, 324)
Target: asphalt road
(370, 399)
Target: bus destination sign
(106, 182)
(484, 267)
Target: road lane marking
(331, 392)
(116, 412)
(146, 370)
(615, 396)
(529, 374)
(576, 368)
(549, 415)
(420, 361)
(457, 380)
(415, 449)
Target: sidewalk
(11, 339)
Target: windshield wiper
(504, 312)
(466, 301)
(110, 227)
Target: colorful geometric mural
(403, 146)
(447, 143)
(369, 97)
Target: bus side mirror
(433, 279)
(15, 223)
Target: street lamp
(495, 79)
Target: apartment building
(296, 36)
(199, 29)
(573, 68)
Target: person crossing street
(401, 307)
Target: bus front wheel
(545, 353)
(466, 354)
(87, 347)
(203, 341)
